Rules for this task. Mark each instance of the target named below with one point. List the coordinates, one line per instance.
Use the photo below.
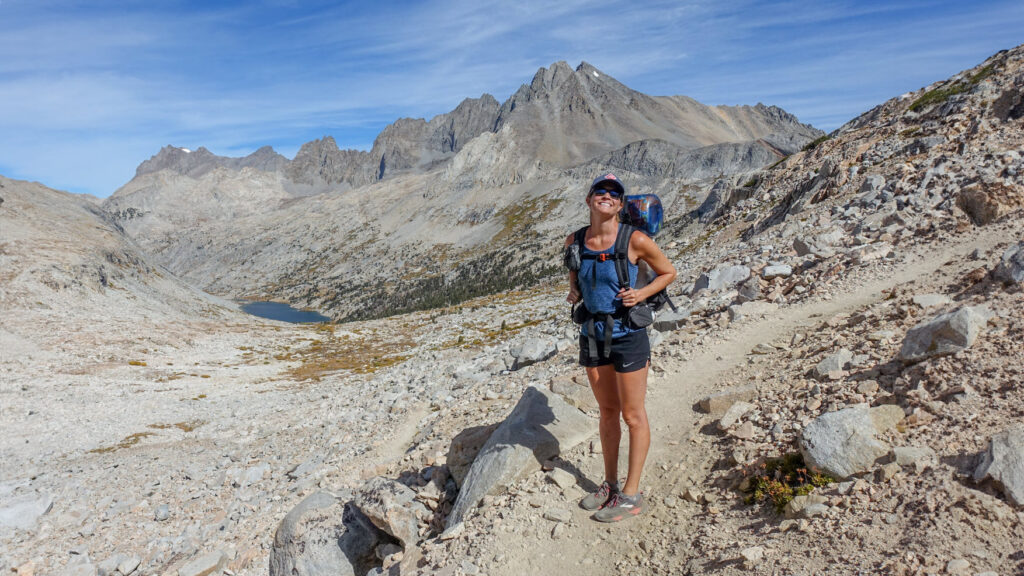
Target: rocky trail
(680, 458)
(245, 459)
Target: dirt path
(677, 457)
(395, 445)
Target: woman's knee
(636, 419)
(609, 413)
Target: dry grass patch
(356, 353)
(488, 335)
(128, 442)
(183, 426)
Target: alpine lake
(281, 312)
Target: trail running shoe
(597, 500)
(620, 506)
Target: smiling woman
(614, 346)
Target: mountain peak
(195, 163)
(548, 78)
(175, 158)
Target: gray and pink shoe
(598, 499)
(619, 507)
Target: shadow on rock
(322, 535)
(540, 427)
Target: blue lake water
(282, 312)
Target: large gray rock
(872, 183)
(931, 300)
(918, 457)
(540, 427)
(733, 415)
(870, 252)
(24, 511)
(886, 417)
(719, 402)
(1011, 266)
(842, 443)
(463, 450)
(1004, 464)
(667, 320)
(806, 505)
(205, 564)
(108, 566)
(777, 271)
(749, 291)
(392, 507)
(833, 237)
(805, 246)
(533, 350)
(129, 565)
(945, 334)
(579, 395)
(721, 277)
(837, 361)
(322, 535)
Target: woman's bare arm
(645, 249)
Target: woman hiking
(616, 355)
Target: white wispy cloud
(87, 92)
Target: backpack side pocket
(640, 316)
(580, 314)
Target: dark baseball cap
(608, 178)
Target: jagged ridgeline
(469, 203)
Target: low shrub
(780, 479)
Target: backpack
(644, 213)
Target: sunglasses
(601, 191)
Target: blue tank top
(600, 287)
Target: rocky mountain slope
(471, 201)
(869, 288)
(65, 260)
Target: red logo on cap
(609, 176)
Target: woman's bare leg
(632, 389)
(603, 383)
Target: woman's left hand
(630, 297)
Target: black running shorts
(629, 353)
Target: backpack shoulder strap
(580, 237)
(622, 254)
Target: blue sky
(88, 90)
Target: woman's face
(600, 200)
